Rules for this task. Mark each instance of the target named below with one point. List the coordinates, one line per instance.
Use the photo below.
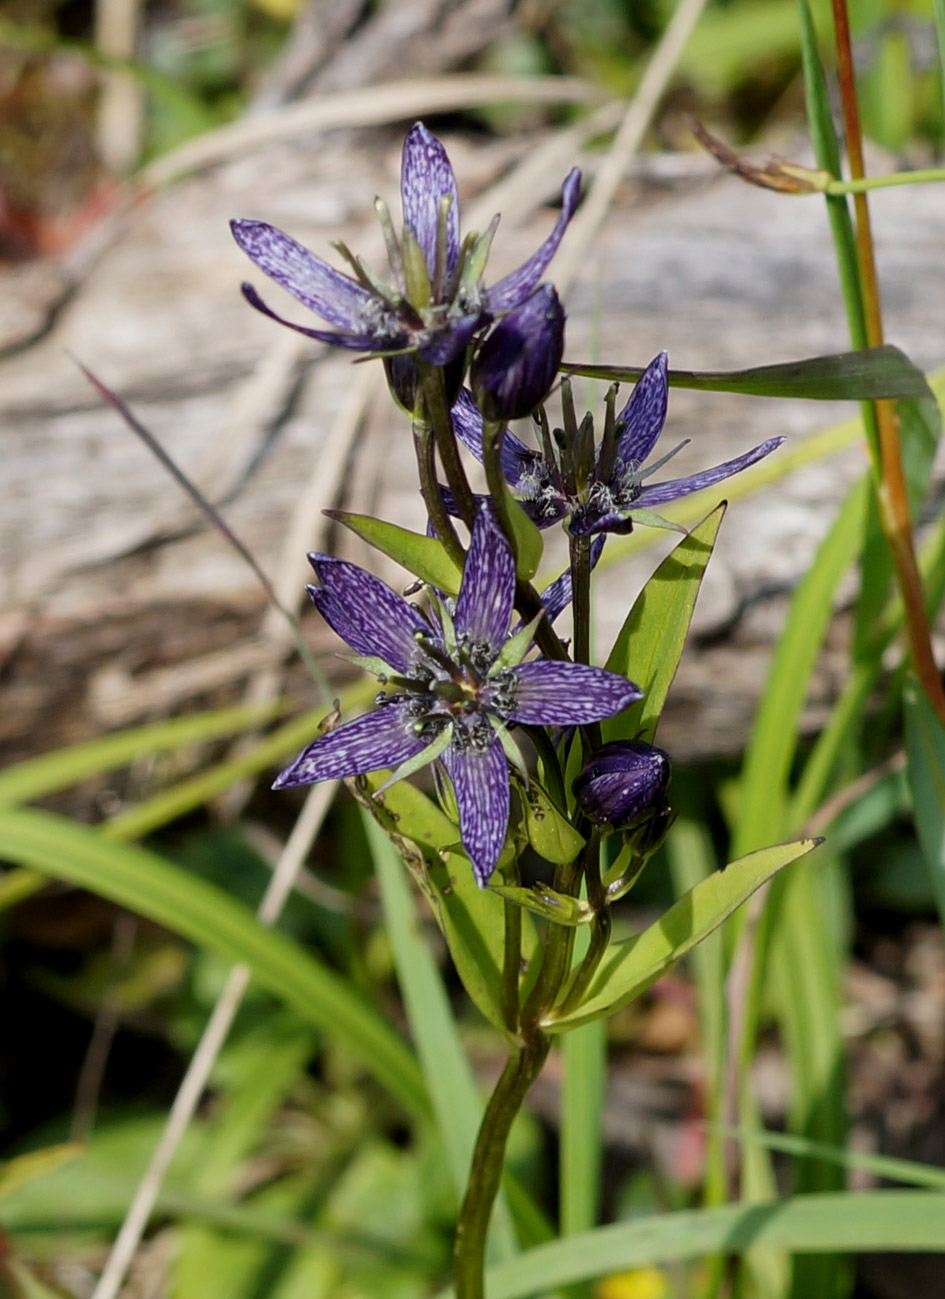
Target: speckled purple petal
(484, 603)
(515, 457)
(587, 521)
(514, 288)
(481, 782)
(318, 286)
(548, 693)
(641, 421)
(660, 493)
(366, 613)
(383, 738)
(425, 177)
(355, 342)
(558, 595)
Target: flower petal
(425, 177)
(450, 341)
(383, 738)
(481, 782)
(365, 612)
(641, 421)
(515, 457)
(660, 493)
(557, 596)
(318, 286)
(514, 288)
(484, 603)
(547, 693)
(356, 342)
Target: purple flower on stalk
(615, 493)
(458, 680)
(514, 369)
(437, 300)
(624, 784)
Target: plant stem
(430, 490)
(520, 1072)
(438, 412)
(511, 955)
(891, 490)
(861, 184)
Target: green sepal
(447, 625)
(416, 271)
(545, 902)
(425, 557)
(421, 759)
(549, 831)
(516, 647)
(650, 520)
(510, 749)
(377, 667)
(529, 543)
(476, 249)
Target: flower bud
(403, 379)
(517, 364)
(624, 784)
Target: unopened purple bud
(403, 379)
(517, 364)
(624, 784)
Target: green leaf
(649, 643)
(549, 831)
(204, 914)
(629, 967)
(763, 792)
(865, 375)
(471, 919)
(871, 1221)
(529, 543)
(24, 1169)
(425, 557)
(47, 774)
(925, 754)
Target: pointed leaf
(651, 640)
(866, 375)
(629, 967)
(425, 557)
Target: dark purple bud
(517, 364)
(624, 784)
(403, 379)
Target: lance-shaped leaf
(866, 375)
(425, 557)
(471, 919)
(631, 966)
(654, 632)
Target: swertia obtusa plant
(460, 685)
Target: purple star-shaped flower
(437, 301)
(616, 493)
(459, 682)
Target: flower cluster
(457, 678)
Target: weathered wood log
(119, 604)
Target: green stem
(430, 491)
(511, 955)
(485, 1175)
(864, 183)
(438, 412)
